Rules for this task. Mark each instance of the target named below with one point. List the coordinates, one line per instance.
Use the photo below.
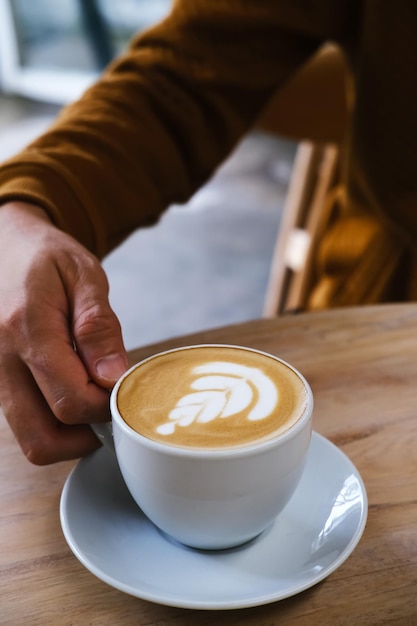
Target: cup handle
(104, 434)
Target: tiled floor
(205, 264)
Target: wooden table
(362, 366)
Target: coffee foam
(211, 397)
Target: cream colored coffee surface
(211, 397)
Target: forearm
(153, 129)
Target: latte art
(211, 397)
(223, 389)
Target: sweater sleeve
(163, 115)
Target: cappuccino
(212, 397)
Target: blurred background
(206, 263)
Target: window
(53, 50)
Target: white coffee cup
(212, 498)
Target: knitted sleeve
(164, 115)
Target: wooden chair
(313, 109)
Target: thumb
(97, 332)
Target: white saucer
(316, 532)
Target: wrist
(21, 209)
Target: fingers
(41, 436)
(70, 394)
(61, 347)
(96, 330)
(44, 343)
(72, 342)
(98, 339)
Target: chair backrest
(313, 109)
(307, 211)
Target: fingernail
(111, 367)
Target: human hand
(61, 348)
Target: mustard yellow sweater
(164, 115)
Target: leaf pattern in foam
(204, 406)
(237, 394)
(222, 389)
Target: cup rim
(215, 453)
